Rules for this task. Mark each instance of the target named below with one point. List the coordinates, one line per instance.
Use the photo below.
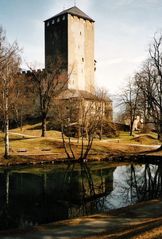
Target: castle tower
(69, 36)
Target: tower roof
(75, 11)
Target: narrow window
(53, 21)
(48, 24)
(63, 18)
(58, 19)
(82, 59)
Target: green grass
(124, 136)
(33, 144)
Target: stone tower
(69, 36)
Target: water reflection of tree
(6, 218)
(150, 185)
(28, 199)
(142, 183)
(92, 192)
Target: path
(133, 219)
(23, 135)
(107, 140)
(146, 145)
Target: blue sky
(123, 31)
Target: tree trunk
(6, 119)
(160, 127)
(101, 130)
(131, 129)
(7, 187)
(160, 136)
(6, 154)
(43, 125)
(21, 118)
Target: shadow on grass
(19, 139)
(152, 151)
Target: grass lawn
(28, 143)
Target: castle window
(82, 59)
(80, 33)
(63, 18)
(58, 19)
(48, 24)
(53, 21)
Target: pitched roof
(80, 94)
(71, 93)
(75, 11)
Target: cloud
(137, 3)
(33, 54)
(119, 60)
(123, 2)
(58, 6)
(111, 61)
(130, 29)
(113, 73)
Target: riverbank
(140, 221)
(29, 148)
(101, 151)
(110, 152)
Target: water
(35, 195)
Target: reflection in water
(135, 183)
(89, 188)
(31, 196)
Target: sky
(123, 31)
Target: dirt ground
(143, 225)
(141, 221)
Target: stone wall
(81, 54)
(56, 40)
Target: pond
(42, 194)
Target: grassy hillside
(28, 144)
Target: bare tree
(9, 65)
(105, 109)
(48, 83)
(20, 100)
(149, 81)
(86, 119)
(129, 99)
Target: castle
(69, 59)
(69, 36)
